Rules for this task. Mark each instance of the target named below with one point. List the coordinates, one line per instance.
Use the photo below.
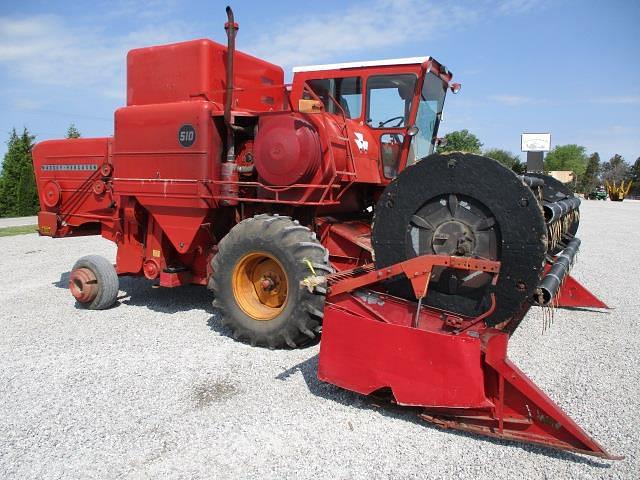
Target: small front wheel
(94, 282)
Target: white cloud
(46, 50)
(361, 27)
(50, 50)
(512, 100)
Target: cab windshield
(428, 117)
(389, 100)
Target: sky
(568, 67)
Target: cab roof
(370, 63)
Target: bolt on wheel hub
(260, 286)
(453, 238)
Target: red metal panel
(546, 422)
(461, 375)
(67, 174)
(147, 146)
(168, 179)
(573, 294)
(47, 223)
(179, 224)
(421, 368)
(187, 70)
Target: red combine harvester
(321, 206)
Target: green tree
(18, 195)
(26, 193)
(461, 141)
(591, 178)
(567, 157)
(73, 132)
(634, 175)
(616, 169)
(508, 159)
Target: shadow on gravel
(604, 311)
(309, 371)
(215, 324)
(63, 282)
(141, 292)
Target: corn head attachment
(453, 366)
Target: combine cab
(321, 206)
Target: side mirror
(412, 131)
(455, 87)
(309, 106)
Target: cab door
(388, 107)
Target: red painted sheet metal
(147, 146)
(573, 294)
(180, 225)
(460, 374)
(421, 368)
(70, 183)
(547, 422)
(196, 69)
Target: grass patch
(21, 230)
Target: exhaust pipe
(231, 27)
(228, 171)
(550, 284)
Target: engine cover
(286, 150)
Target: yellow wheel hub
(260, 285)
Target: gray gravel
(17, 221)
(155, 388)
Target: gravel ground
(155, 388)
(17, 221)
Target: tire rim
(83, 285)
(260, 286)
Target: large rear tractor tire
(269, 281)
(94, 282)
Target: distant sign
(536, 142)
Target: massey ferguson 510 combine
(320, 206)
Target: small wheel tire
(94, 282)
(269, 282)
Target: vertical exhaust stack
(229, 169)
(231, 27)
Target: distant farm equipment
(599, 193)
(617, 193)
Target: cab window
(347, 92)
(391, 151)
(389, 100)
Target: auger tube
(552, 281)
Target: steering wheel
(400, 121)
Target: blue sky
(569, 67)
